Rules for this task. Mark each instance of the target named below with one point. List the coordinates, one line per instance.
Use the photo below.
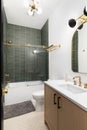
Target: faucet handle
(79, 81)
(85, 85)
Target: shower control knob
(7, 75)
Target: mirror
(79, 50)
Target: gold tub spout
(4, 91)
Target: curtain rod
(47, 48)
(25, 45)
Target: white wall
(60, 32)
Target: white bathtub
(22, 91)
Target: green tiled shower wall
(4, 26)
(4, 48)
(20, 62)
(45, 41)
(23, 35)
(44, 34)
(75, 52)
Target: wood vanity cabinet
(61, 114)
(50, 108)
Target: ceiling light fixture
(33, 7)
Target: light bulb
(80, 27)
(26, 3)
(72, 23)
(85, 10)
(39, 10)
(30, 12)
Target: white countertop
(79, 99)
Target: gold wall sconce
(82, 19)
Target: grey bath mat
(18, 109)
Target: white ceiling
(16, 13)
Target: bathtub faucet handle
(7, 75)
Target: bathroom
(58, 64)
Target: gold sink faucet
(75, 83)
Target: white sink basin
(72, 88)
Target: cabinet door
(50, 108)
(70, 116)
(80, 118)
(65, 114)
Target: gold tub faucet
(75, 83)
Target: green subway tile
(21, 63)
